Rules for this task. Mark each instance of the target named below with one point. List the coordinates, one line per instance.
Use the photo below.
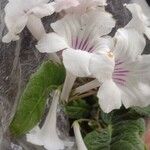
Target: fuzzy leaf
(98, 140)
(142, 112)
(129, 126)
(130, 141)
(33, 99)
(107, 118)
(77, 109)
(122, 114)
(128, 133)
(124, 135)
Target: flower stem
(36, 27)
(68, 84)
(82, 96)
(86, 87)
(54, 57)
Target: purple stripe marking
(119, 74)
(80, 44)
(85, 48)
(77, 39)
(119, 63)
(72, 42)
(122, 71)
(90, 49)
(119, 68)
(121, 83)
(119, 79)
(85, 42)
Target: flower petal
(34, 136)
(99, 22)
(101, 66)
(147, 32)
(88, 26)
(43, 10)
(65, 4)
(98, 2)
(10, 37)
(104, 43)
(139, 20)
(16, 16)
(145, 7)
(109, 96)
(67, 27)
(140, 68)
(77, 62)
(15, 25)
(87, 5)
(50, 43)
(136, 95)
(106, 23)
(129, 44)
(137, 89)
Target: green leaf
(142, 112)
(107, 118)
(33, 99)
(115, 116)
(128, 133)
(133, 113)
(130, 140)
(124, 135)
(77, 109)
(129, 126)
(98, 140)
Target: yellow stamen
(110, 54)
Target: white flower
(18, 12)
(139, 20)
(93, 3)
(131, 72)
(87, 5)
(55, 6)
(16, 17)
(129, 83)
(65, 4)
(145, 7)
(79, 140)
(70, 6)
(120, 73)
(79, 38)
(47, 136)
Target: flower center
(110, 54)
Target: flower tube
(79, 140)
(47, 136)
